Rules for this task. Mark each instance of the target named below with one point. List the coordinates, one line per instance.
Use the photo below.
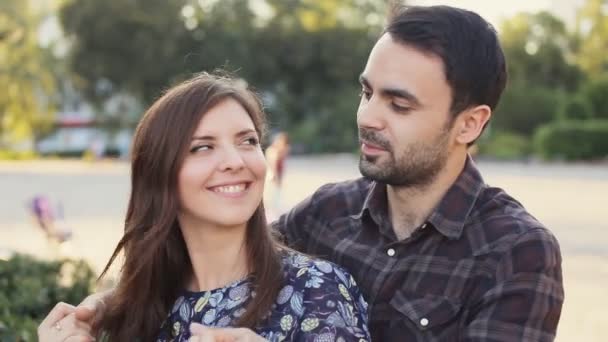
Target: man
(440, 255)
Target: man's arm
(526, 300)
(293, 227)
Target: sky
(496, 10)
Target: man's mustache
(374, 138)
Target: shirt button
(424, 322)
(423, 226)
(390, 252)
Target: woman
(196, 244)
(276, 156)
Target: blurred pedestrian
(276, 155)
(50, 219)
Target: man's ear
(470, 123)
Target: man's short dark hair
(474, 62)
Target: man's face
(404, 115)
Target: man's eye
(365, 93)
(399, 108)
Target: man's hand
(201, 333)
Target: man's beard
(415, 166)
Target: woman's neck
(218, 255)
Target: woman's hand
(61, 325)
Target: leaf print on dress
(209, 317)
(231, 304)
(309, 324)
(239, 293)
(347, 313)
(274, 336)
(344, 292)
(201, 302)
(362, 303)
(216, 298)
(336, 320)
(185, 311)
(284, 294)
(177, 329)
(223, 322)
(324, 266)
(286, 322)
(314, 282)
(177, 304)
(341, 276)
(315, 279)
(301, 272)
(296, 302)
(300, 261)
(326, 336)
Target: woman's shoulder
(320, 301)
(310, 272)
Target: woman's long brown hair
(156, 261)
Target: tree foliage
(26, 103)
(539, 50)
(304, 56)
(592, 28)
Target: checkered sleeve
(525, 301)
(293, 226)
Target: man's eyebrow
(401, 93)
(393, 92)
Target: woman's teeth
(230, 189)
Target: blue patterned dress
(318, 302)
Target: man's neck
(410, 207)
(218, 255)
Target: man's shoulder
(502, 222)
(330, 201)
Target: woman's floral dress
(318, 302)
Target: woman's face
(221, 181)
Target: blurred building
(80, 128)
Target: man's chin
(369, 168)
(370, 159)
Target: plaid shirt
(480, 269)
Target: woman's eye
(252, 141)
(198, 148)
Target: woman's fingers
(64, 329)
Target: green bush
(505, 146)
(576, 108)
(523, 108)
(29, 289)
(596, 93)
(573, 140)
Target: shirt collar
(449, 217)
